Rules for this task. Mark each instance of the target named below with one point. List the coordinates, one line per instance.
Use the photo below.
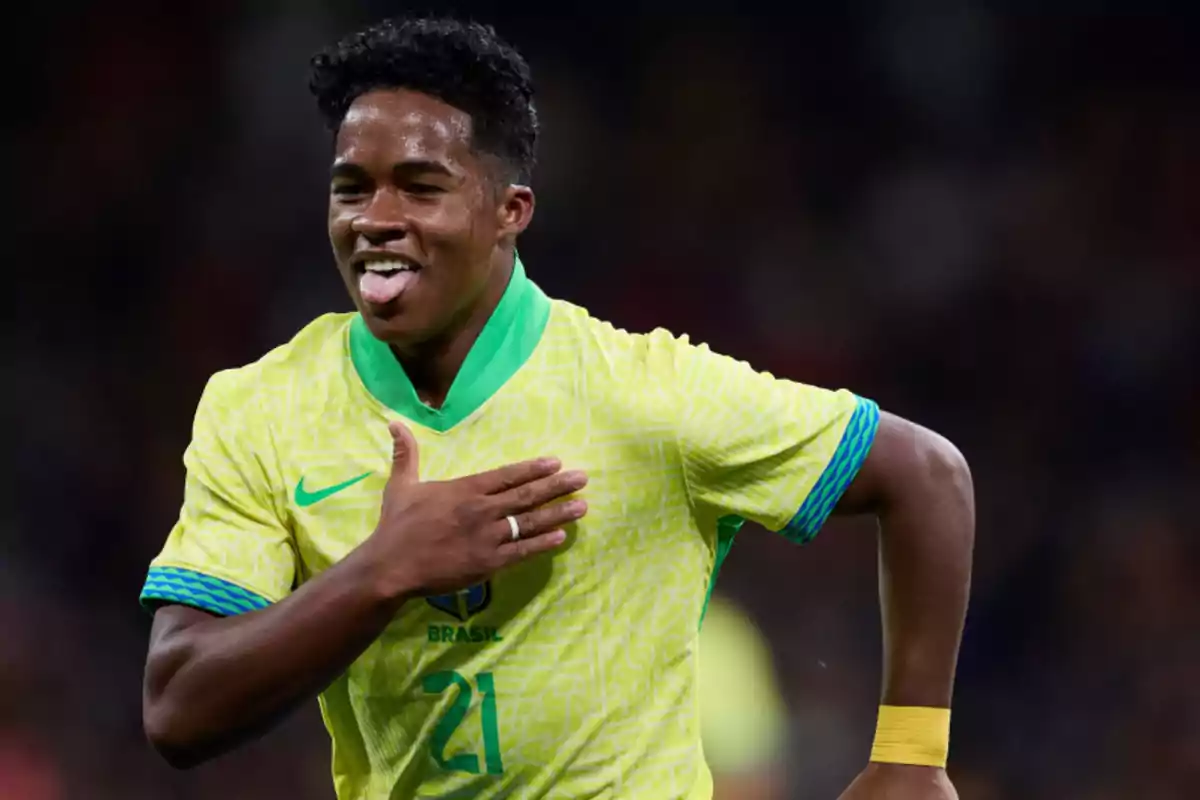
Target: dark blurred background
(984, 215)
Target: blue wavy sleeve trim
(188, 587)
(851, 452)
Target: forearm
(213, 681)
(926, 542)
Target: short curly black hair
(464, 64)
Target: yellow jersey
(573, 674)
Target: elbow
(172, 720)
(948, 485)
(946, 466)
(167, 732)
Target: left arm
(919, 486)
(784, 455)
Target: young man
(483, 525)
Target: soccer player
(482, 525)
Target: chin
(393, 324)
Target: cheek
(338, 225)
(458, 215)
(443, 220)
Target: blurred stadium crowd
(986, 220)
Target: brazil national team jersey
(573, 674)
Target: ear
(514, 212)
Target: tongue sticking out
(380, 289)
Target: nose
(381, 220)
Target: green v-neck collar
(503, 346)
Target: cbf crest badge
(463, 604)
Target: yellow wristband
(912, 735)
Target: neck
(433, 365)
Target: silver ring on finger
(514, 527)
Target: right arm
(211, 682)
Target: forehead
(399, 125)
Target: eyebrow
(348, 169)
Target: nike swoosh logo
(306, 498)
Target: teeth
(389, 266)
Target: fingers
(404, 453)
(528, 496)
(511, 476)
(521, 549)
(541, 520)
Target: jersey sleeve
(773, 451)
(229, 551)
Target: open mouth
(382, 281)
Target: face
(421, 228)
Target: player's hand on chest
(432, 537)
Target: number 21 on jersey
(438, 682)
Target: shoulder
(316, 351)
(598, 345)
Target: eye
(424, 189)
(346, 189)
